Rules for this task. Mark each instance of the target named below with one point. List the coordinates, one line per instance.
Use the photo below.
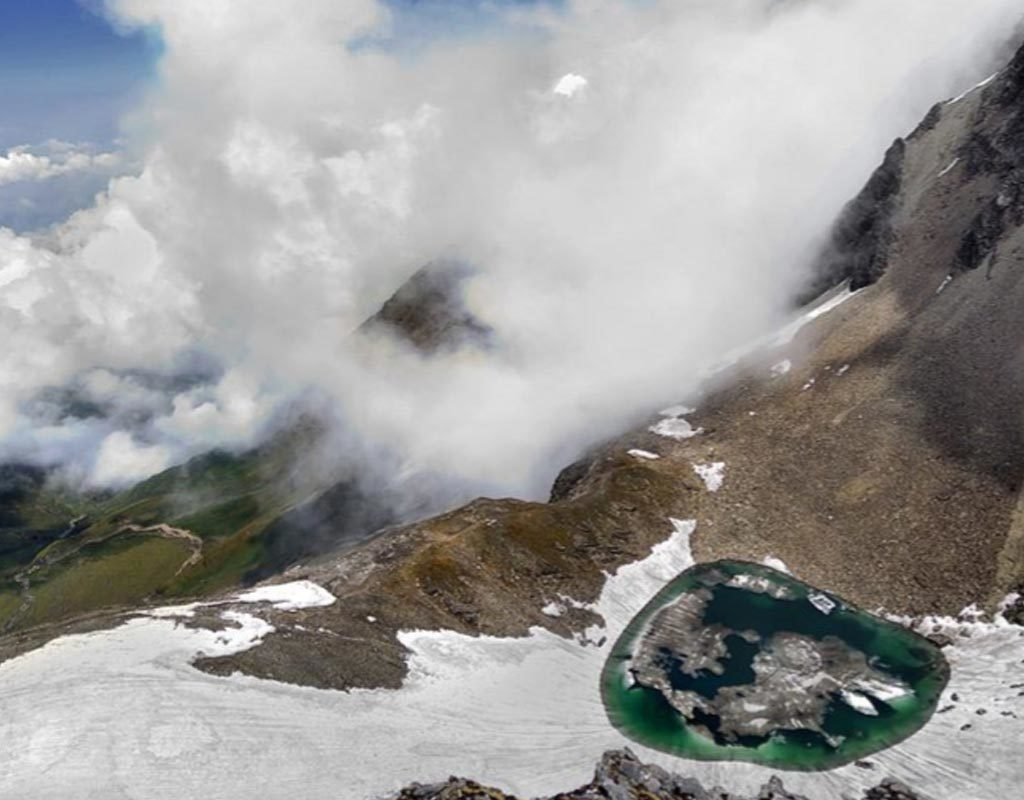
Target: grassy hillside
(63, 553)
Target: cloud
(121, 461)
(22, 164)
(569, 84)
(626, 236)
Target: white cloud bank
(60, 158)
(626, 239)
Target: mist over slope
(628, 226)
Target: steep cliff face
(858, 247)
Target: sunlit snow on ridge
(980, 85)
(290, 596)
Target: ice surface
(122, 714)
(859, 703)
(883, 691)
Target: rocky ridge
(620, 775)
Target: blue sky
(66, 74)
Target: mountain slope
(883, 457)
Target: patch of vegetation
(253, 512)
(118, 572)
(33, 514)
(223, 519)
(225, 562)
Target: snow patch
(678, 429)
(712, 474)
(784, 335)
(977, 86)
(782, 368)
(776, 564)
(946, 281)
(553, 609)
(644, 455)
(842, 370)
(248, 631)
(290, 596)
(169, 612)
(557, 608)
(949, 169)
(830, 303)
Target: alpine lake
(736, 661)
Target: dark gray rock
(429, 312)
(890, 789)
(858, 247)
(620, 775)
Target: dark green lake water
(643, 715)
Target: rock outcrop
(620, 775)
(429, 312)
(858, 247)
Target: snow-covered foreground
(121, 714)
